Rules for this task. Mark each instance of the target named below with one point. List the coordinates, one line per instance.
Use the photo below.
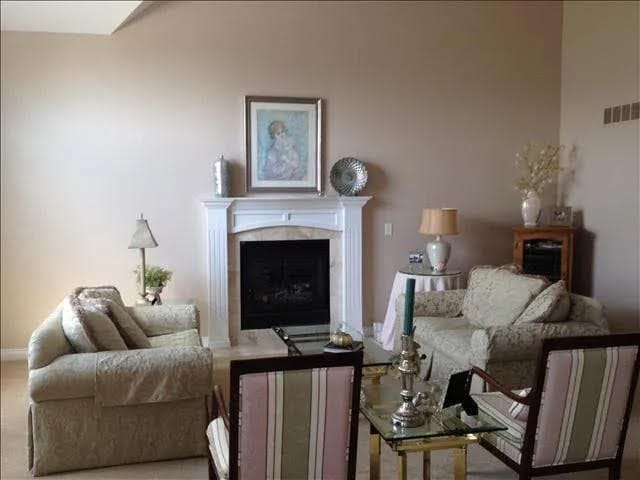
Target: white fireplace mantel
(234, 215)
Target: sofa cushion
(129, 330)
(518, 410)
(497, 296)
(105, 292)
(552, 305)
(87, 328)
(496, 405)
(185, 338)
(218, 436)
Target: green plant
(154, 276)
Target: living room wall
(435, 97)
(600, 68)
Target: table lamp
(142, 238)
(439, 221)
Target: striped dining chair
(576, 414)
(290, 418)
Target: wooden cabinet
(545, 251)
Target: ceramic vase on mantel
(531, 206)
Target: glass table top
(311, 339)
(380, 400)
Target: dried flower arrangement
(539, 168)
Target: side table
(426, 281)
(442, 430)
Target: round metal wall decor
(348, 176)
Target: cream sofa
(499, 345)
(92, 410)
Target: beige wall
(600, 64)
(435, 97)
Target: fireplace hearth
(284, 282)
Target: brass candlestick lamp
(142, 238)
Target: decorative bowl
(348, 176)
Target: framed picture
(561, 216)
(284, 144)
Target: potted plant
(156, 278)
(539, 168)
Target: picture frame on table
(561, 216)
(284, 137)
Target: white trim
(13, 354)
(227, 216)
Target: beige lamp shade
(142, 238)
(439, 221)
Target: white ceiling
(97, 17)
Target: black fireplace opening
(284, 283)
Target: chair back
(294, 417)
(585, 387)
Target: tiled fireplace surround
(232, 220)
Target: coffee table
(311, 339)
(442, 430)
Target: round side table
(426, 281)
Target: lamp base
(438, 252)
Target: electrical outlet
(388, 229)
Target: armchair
(89, 410)
(297, 417)
(578, 407)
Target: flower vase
(531, 209)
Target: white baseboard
(13, 354)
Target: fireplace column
(218, 271)
(352, 261)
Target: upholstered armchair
(289, 418)
(495, 340)
(90, 410)
(576, 414)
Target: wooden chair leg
(614, 473)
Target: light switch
(388, 229)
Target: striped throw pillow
(518, 410)
(218, 436)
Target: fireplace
(231, 221)
(284, 282)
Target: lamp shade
(142, 238)
(439, 221)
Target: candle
(407, 327)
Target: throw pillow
(496, 297)
(105, 292)
(552, 305)
(129, 330)
(518, 410)
(87, 328)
